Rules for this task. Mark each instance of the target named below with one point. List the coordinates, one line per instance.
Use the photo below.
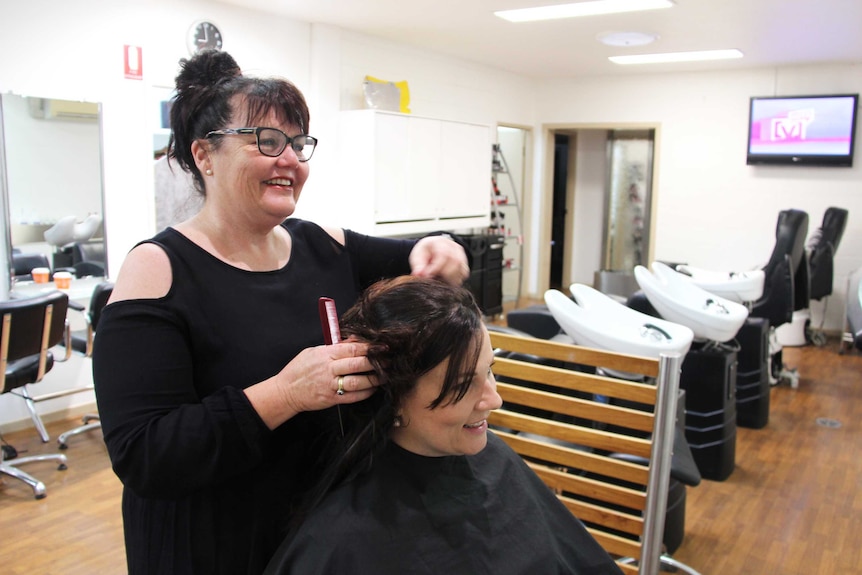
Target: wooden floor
(77, 529)
(792, 505)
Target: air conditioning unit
(50, 109)
(71, 110)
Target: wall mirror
(53, 185)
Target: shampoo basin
(677, 299)
(739, 287)
(593, 319)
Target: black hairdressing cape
(487, 513)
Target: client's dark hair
(413, 324)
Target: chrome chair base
(38, 487)
(91, 422)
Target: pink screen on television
(802, 126)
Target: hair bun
(206, 69)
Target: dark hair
(210, 91)
(413, 324)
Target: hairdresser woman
(215, 392)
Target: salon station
(685, 233)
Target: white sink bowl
(679, 300)
(596, 320)
(738, 287)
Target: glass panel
(629, 200)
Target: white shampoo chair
(677, 299)
(594, 319)
(739, 287)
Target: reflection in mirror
(53, 185)
(176, 197)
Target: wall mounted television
(802, 130)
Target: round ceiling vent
(626, 39)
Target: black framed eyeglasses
(272, 141)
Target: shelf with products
(506, 223)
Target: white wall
(589, 206)
(713, 210)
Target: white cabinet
(404, 175)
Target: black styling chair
(82, 342)
(31, 327)
(88, 258)
(23, 264)
(786, 287)
(821, 248)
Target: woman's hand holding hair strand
(310, 381)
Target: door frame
(544, 219)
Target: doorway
(603, 180)
(559, 210)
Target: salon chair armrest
(67, 341)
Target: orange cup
(63, 280)
(40, 275)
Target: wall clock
(203, 35)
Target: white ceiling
(768, 32)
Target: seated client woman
(419, 484)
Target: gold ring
(340, 380)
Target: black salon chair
(821, 248)
(82, 342)
(23, 263)
(31, 327)
(88, 258)
(786, 286)
(535, 320)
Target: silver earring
(397, 421)
(209, 172)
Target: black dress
(208, 488)
(461, 515)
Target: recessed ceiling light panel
(591, 8)
(627, 39)
(676, 57)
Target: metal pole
(667, 390)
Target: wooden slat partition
(570, 425)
